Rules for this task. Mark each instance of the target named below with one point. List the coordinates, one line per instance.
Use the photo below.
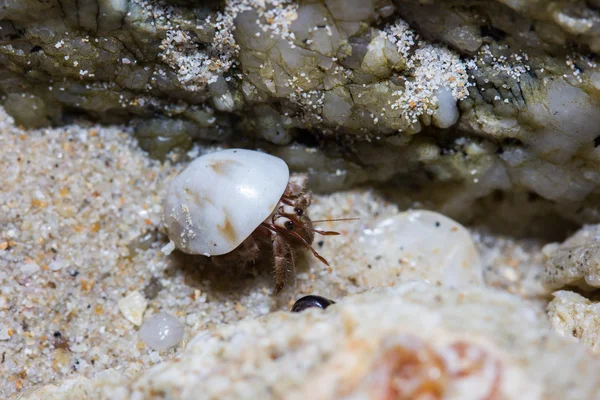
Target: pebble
(55, 265)
(595, 80)
(155, 357)
(161, 331)
(4, 333)
(29, 268)
(168, 248)
(133, 306)
(420, 245)
(79, 348)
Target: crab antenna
(310, 228)
(324, 233)
(335, 220)
(297, 236)
(324, 261)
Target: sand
(80, 211)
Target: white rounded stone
(161, 331)
(218, 200)
(420, 245)
(446, 114)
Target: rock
(282, 74)
(421, 245)
(478, 342)
(161, 331)
(574, 316)
(133, 306)
(111, 381)
(576, 261)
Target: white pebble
(133, 306)
(446, 113)
(168, 248)
(155, 357)
(29, 268)
(4, 333)
(421, 245)
(79, 348)
(55, 265)
(161, 331)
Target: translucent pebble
(4, 333)
(161, 331)
(55, 265)
(29, 268)
(446, 113)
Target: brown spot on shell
(228, 230)
(223, 167)
(197, 198)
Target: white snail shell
(219, 199)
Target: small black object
(311, 301)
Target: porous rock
(576, 317)
(575, 262)
(443, 342)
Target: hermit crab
(234, 204)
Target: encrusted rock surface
(575, 262)
(577, 317)
(481, 96)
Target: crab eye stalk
(285, 223)
(299, 211)
(288, 210)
